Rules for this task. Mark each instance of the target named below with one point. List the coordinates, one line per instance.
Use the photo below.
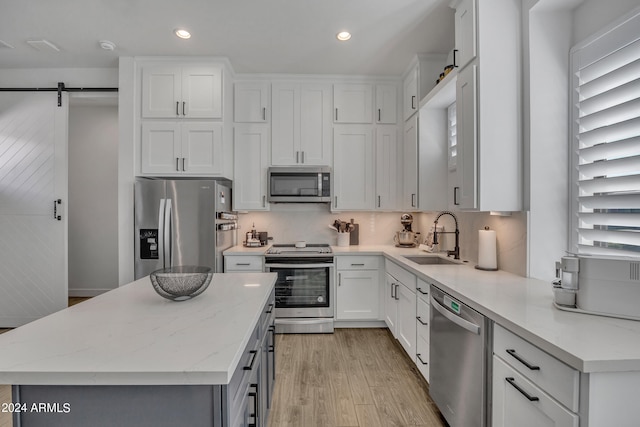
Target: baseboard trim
(359, 324)
(87, 292)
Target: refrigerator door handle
(161, 231)
(167, 234)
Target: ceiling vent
(43, 45)
(5, 45)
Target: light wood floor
(354, 377)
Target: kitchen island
(132, 358)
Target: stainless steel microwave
(299, 184)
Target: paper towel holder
(485, 268)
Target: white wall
(49, 77)
(93, 198)
(593, 15)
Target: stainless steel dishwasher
(459, 363)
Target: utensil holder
(343, 239)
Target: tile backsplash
(310, 222)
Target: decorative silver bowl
(182, 282)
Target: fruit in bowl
(181, 282)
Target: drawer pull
(513, 354)
(420, 359)
(512, 381)
(270, 310)
(243, 263)
(419, 319)
(254, 354)
(357, 265)
(421, 291)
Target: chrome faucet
(456, 251)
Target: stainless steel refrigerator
(182, 222)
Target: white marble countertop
(586, 342)
(133, 336)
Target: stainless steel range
(304, 288)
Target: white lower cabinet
(530, 387)
(519, 402)
(243, 263)
(422, 327)
(400, 306)
(357, 291)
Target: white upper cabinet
(488, 174)
(174, 148)
(410, 98)
(301, 124)
(353, 178)
(409, 200)
(250, 163)
(182, 91)
(386, 104)
(465, 32)
(250, 102)
(386, 166)
(352, 103)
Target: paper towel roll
(487, 250)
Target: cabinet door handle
(264, 113)
(254, 414)
(455, 62)
(413, 102)
(378, 201)
(512, 381)
(357, 265)
(183, 108)
(455, 196)
(336, 200)
(336, 114)
(420, 359)
(397, 298)
(254, 356)
(178, 164)
(419, 319)
(393, 287)
(413, 200)
(297, 157)
(184, 167)
(264, 201)
(339, 279)
(515, 355)
(379, 115)
(55, 209)
(302, 157)
(177, 106)
(270, 310)
(421, 291)
(243, 263)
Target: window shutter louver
(606, 176)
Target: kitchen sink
(430, 260)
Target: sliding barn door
(33, 182)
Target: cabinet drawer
(554, 377)
(422, 290)
(422, 357)
(423, 319)
(243, 263)
(517, 401)
(357, 262)
(400, 274)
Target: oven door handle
(301, 266)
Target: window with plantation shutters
(605, 172)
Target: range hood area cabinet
(488, 175)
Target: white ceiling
(265, 36)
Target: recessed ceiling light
(343, 36)
(183, 34)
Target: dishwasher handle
(469, 326)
